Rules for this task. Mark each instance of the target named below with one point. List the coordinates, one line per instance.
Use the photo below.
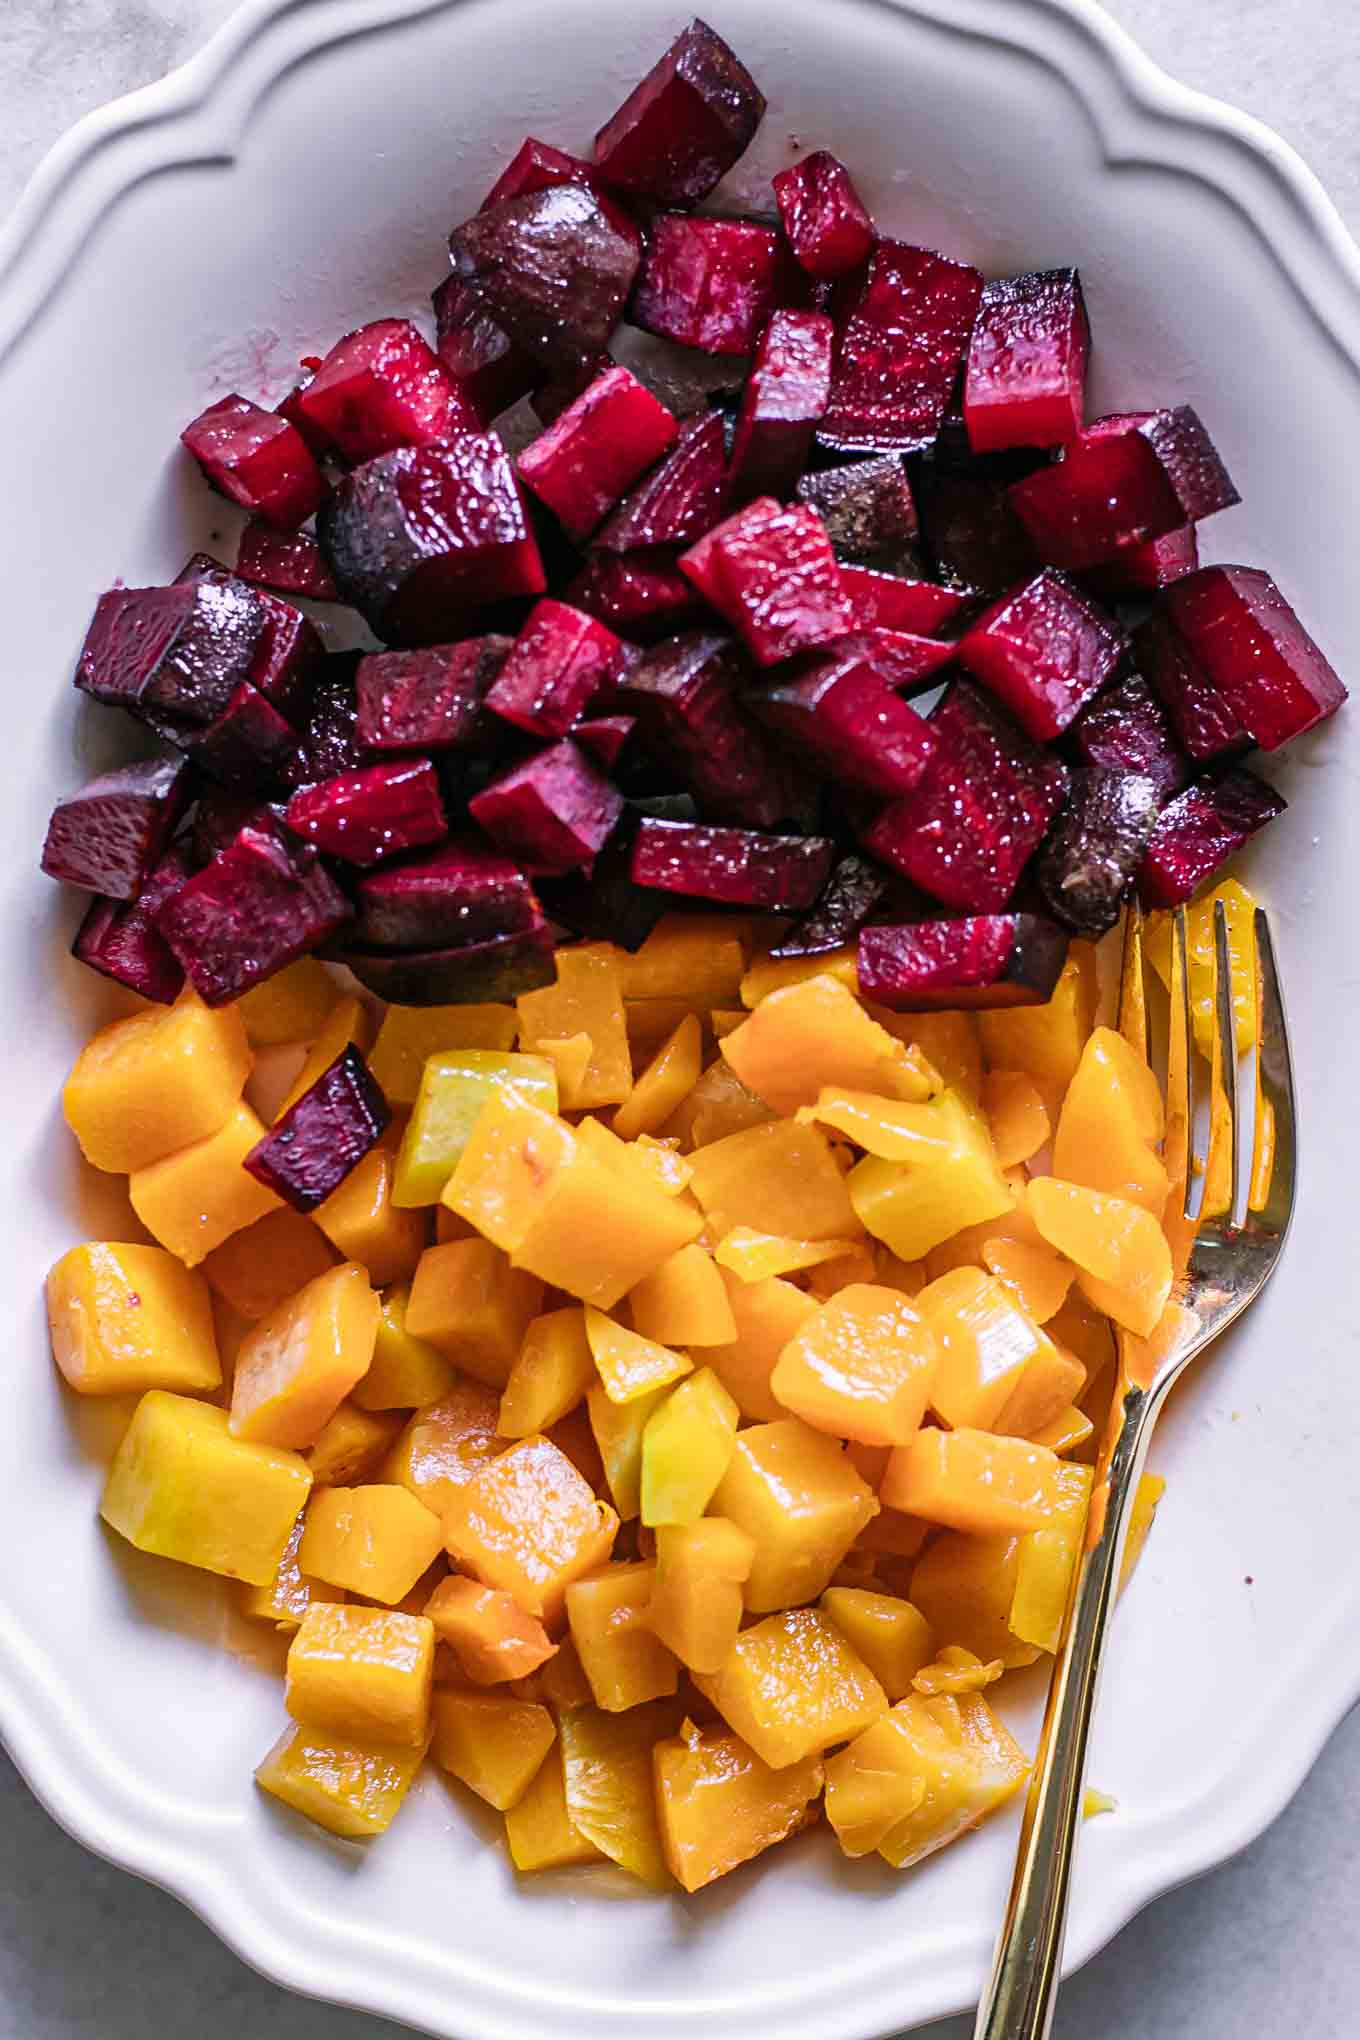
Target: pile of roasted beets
(897, 494)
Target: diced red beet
(553, 268)
(480, 355)
(256, 908)
(381, 387)
(289, 408)
(741, 867)
(825, 219)
(680, 499)
(290, 565)
(602, 737)
(1142, 569)
(420, 538)
(640, 595)
(686, 694)
(107, 837)
(426, 700)
(887, 602)
(184, 649)
(331, 743)
(376, 812)
(1152, 473)
(560, 661)
(854, 891)
(465, 891)
(901, 345)
(561, 389)
(554, 811)
(288, 653)
(1128, 730)
(1200, 830)
(866, 506)
(908, 663)
(118, 938)
(1088, 865)
(312, 1147)
(838, 708)
(1249, 643)
(257, 459)
(771, 571)
(250, 745)
(597, 449)
(1044, 651)
(220, 815)
(1025, 382)
(971, 533)
(785, 395)
(499, 969)
(1202, 719)
(983, 805)
(537, 166)
(685, 125)
(711, 283)
(985, 960)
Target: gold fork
(1224, 1256)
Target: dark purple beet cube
(465, 891)
(554, 811)
(427, 700)
(107, 837)
(1043, 651)
(641, 595)
(1250, 645)
(1200, 830)
(376, 812)
(852, 894)
(709, 283)
(1122, 482)
(256, 908)
(310, 1150)
(985, 960)
(824, 218)
(1025, 382)
(498, 969)
(256, 459)
(537, 166)
(784, 397)
(480, 355)
(867, 507)
(557, 665)
(330, 742)
(420, 538)
(888, 602)
(685, 125)
(184, 649)
(1142, 569)
(220, 815)
(901, 345)
(381, 387)
(118, 938)
(1087, 867)
(603, 737)
(609, 435)
(1202, 719)
(1128, 730)
(289, 563)
(838, 708)
(553, 268)
(687, 697)
(971, 533)
(250, 745)
(771, 572)
(288, 654)
(551, 398)
(682, 498)
(739, 867)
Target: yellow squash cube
(352, 1445)
(197, 1197)
(296, 1368)
(623, 1659)
(258, 1269)
(492, 1743)
(410, 1035)
(607, 1776)
(965, 1587)
(697, 1602)
(293, 1005)
(182, 1487)
(454, 1087)
(376, 1541)
(587, 999)
(816, 1033)
(291, 1592)
(352, 1789)
(618, 1430)
(530, 1524)
(406, 1373)
(792, 1687)
(972, 1481)
(780, 1178)
(686, 1450)
(468, 1301)
(538, 1829)
(487, 1630)
(767, 1314)
(442, 1447)
(361, 1221)
(124, 1319)
(892, 1637)
(797, 1495)
(365, 1673)
(670, 1076)
(684, 1302)
(860, 1368)
(159, 1081)
(719, 1806)
(348, 1024)
(550, 1374)
(912, 1207)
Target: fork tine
(1133, 1022)
(1220, 1182)
(1276, 1078)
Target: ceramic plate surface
(297, 177)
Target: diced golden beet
(627, 1364)
(587, 999)
(1046, 1041)
(442, 1447)
(651, 1022)
(684, 1302)
(1047, 1561)
(770, 974)
(618, 1430)
(781, 1178)
(354, 1789)
(858, 1263)
(1036, 1277)
(361, 1220)
(965, 1588)
(490, 1634)
(197, 1197)
(515, 1157)
(298, 1365)
(986, 1344)
(1080, 1329)
(550, 1374)
(969, 1763)
(1111, 1122)
(816, 1034)
(454, 1086)
(668, 1078)
(662, 1163)
(610, 1793)
(469, 1302)
(892, 1534)
(260, 1268)
(492, 1743)
(1016, 1115)
(861, 1367)
(768, 1314)
(697, 958)
(410, 1035)
(144, 1087)
(948, 1042)
(793, 1491)
(1050, 1384)
(621, 1655)
(1239, 908)
(913, 1206)
(895, 1129)
(573, 1435)
(348, 1024)
(874, 1785)
(756, 1256)
(529, 1524)
(792, 1686)
(562, 1683)
(686, 1449)
(892, 1637)
(719, 1806)
(1151, 1488)
(697, 1604)
(969, 1480)
(287, 1597)
(725, 1019)
(293, 1005)
(352, 1445)
(538, 1829)
(718, 1106)
(964, 1248)
(956, 1671)
(570, 1059)
(124, 1319)
(1068, 1430)
(182, 1487)
(376, 1541)
(406, 1373)
(1123, 1260)
(362, 1672)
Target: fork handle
(1020, 1999)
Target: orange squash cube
(780, 1177)
(913, 1205)
(621, 1655)
(192, 1200)
(970, 1480)
(618, 1430)
(488, 1632)
(144, 1087)
(538, 1829)
(124, 1319)
(816, 1033)
(1017, 1116)
(1112, 1120)
(795, 1493)
(292, 1005)
(409, 1035)
(376, 1541)
(718, 1106)
(608, 1784)
(296, 1367)
(352, 1445)
(550, 1374)
(860, 1368)
(719, 1806)
(892, 1637)
(970, 1765)
(986, 1345)
(1036, 1277)
(696, 958)
(362, 1673)
(668, 1078)
(469, 1302)
(285, 1599)
(258, 1269)
(965, 1587)
(768, 1314)
(352, 1789)
(405, 1373)
(1046, 1041)
(348, 1024)
(684, 1302)
(792, 1687)
(442, 1447)
(361, 1221)
(587, 999)
(629, 1365)
(1047, 1560)
(697, 1604)
(1120, 1250)
(491, 1743)
(529, 1524)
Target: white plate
(301, 174)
